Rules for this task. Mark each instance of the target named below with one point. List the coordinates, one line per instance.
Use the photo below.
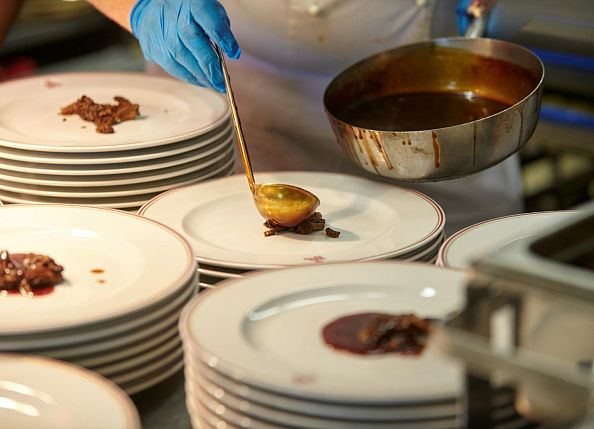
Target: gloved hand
(468, 10)
(177, 35)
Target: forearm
(8, 13)
(117, 10)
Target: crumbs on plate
(104, 116)
(312, 224)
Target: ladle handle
(245, 157)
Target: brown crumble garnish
(312, 224)
(104, 116)
(64, 119)
(332, 233)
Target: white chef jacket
(291, 50)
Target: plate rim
(114, 148)
(214, 362)
(429, 237)
(128, 407)
(184, 277)
(452, 239)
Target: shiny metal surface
(473, 67)
(280, 204)
(286, 205)
(529, 318)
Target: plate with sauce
(271, 336)
(83, 240)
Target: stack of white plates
(183, 136)
(45, 393)
(479, 240)
(266, 364)
(376, 221)
(126, 280)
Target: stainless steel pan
(438, 109)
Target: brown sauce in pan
(419, 111)
(377, 333)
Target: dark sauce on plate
(378, 333)
(38, 291)
(28, 274)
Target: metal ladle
(280, 204)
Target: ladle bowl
(280, 204)
(284, 205)
(398, 114)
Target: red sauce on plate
(28, 274)
(38, 291)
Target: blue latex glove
(177, 35)
(463, 17)
(479, 8)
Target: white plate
(258, 416)
(82, 239)
(251, 343)
(203, 285)
(171, 111)
(140, 360)
(132, 202)
(40, 180)
(219, 274)
(223, 270)
(478, 240)
(107, 346)
(126, 351)
(125, 202)
(43, 393)
(200, 404)
(65, 343)
(141, 372)
(427, 252)
(221, 387)
(216, 274)
(376, 221)
(205, 167)
(99, 158)
(59, 172)
(138, 385)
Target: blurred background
(558, 162)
